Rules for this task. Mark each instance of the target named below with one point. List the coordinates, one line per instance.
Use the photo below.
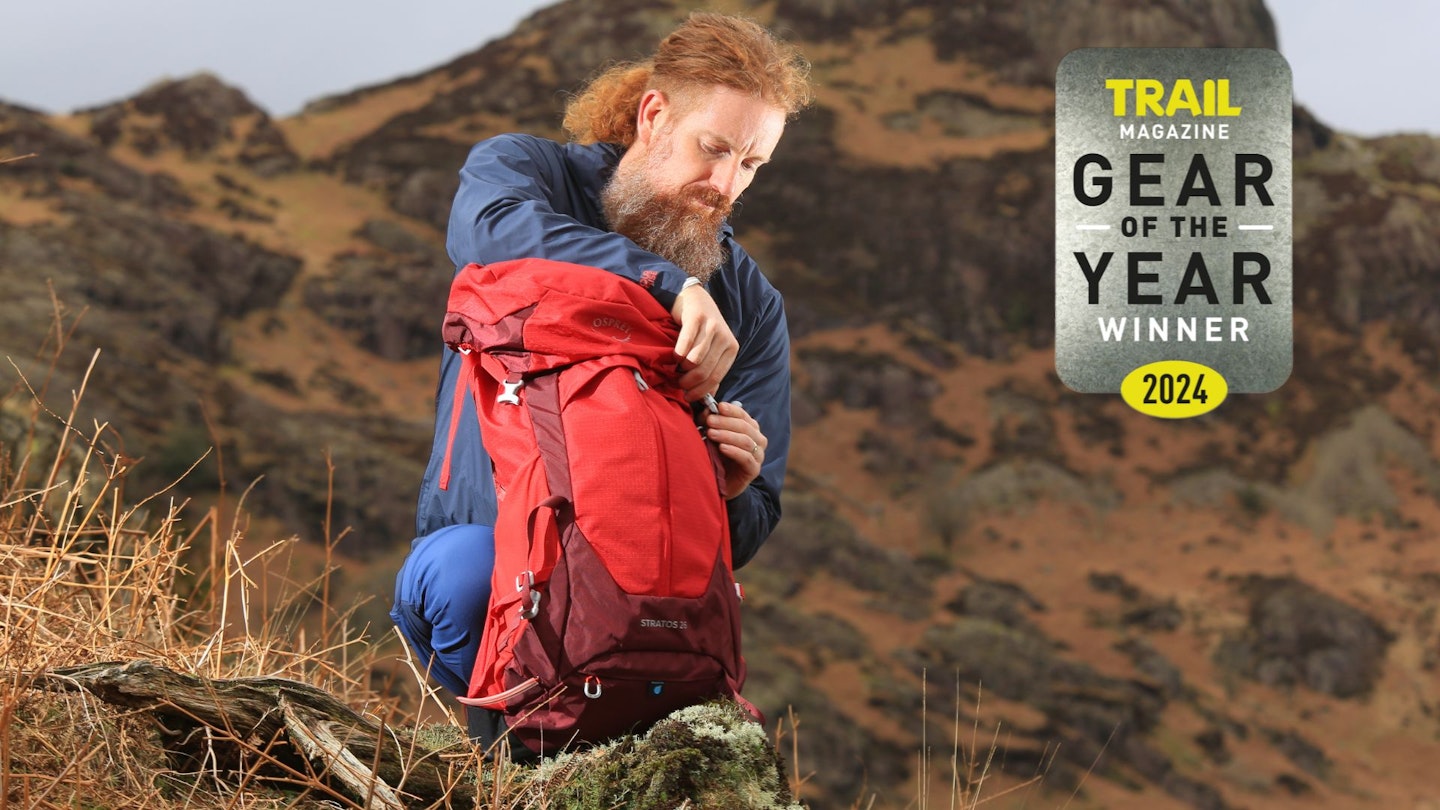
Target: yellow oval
(1174, 389)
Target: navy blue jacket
(523, 197)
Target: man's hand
(706, 346)
(741, 445)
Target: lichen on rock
(712, 755)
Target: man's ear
(650, 115)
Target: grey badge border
(1261, 83)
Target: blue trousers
(441, 594)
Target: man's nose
(725, 177)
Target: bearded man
(660, 152)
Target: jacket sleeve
(516, 201)
(760, 381)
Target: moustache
(712, 199)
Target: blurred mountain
(1237, 610)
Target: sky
(1362, 67)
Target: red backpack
(613, 601)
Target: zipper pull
(639, 380)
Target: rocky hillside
(1233, 611)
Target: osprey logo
(665, 624)
(614, 328)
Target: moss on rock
(711, 755)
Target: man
(661, 150)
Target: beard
(680, 227)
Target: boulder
(1300, 636)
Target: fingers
(706, 346)
(711, 352)
(690, 310)
(741, 467)
(741, 443)
(732, 426)
(709, 368)
(685, 344)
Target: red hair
(707, 50)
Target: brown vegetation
(146, 664)
(93, 576)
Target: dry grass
(90, 576)
(969, 767)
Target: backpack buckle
(530, 611)
(511, 393)
(525, 585)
